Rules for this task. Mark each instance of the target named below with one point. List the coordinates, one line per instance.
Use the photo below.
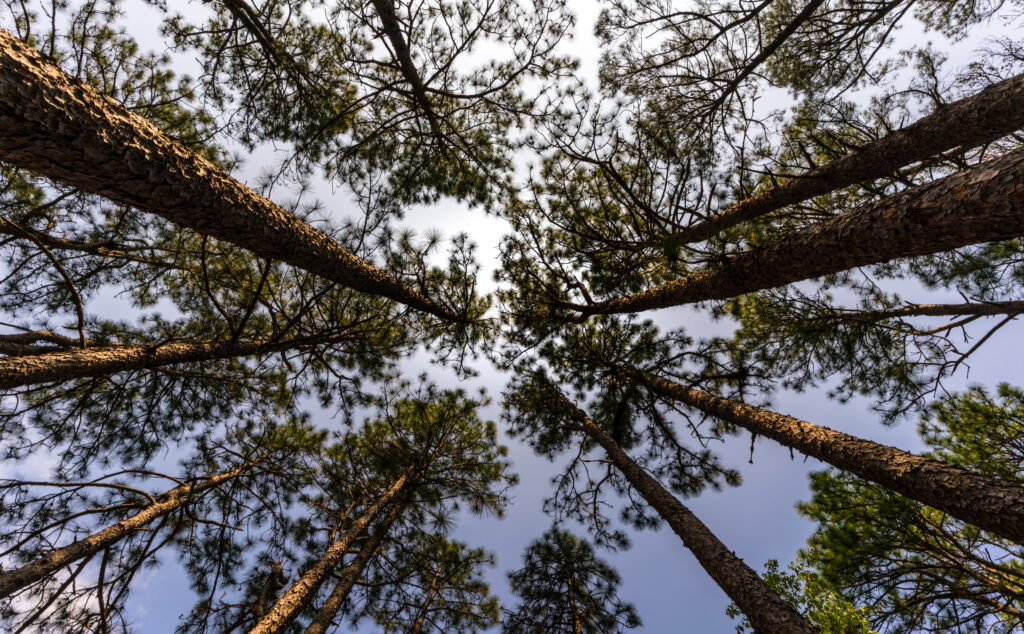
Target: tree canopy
(245, 300)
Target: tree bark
(995, 112)
(421, 616)
(969, 309)
(393, 31)
(63, 365)
(325, 616)
(766, 610)
(979, 204)
(305, 588)
(53, 124)
(14, 580)
(989, 503)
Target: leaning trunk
(766, 610)
(995, 112)
(50, 563)
(302, 591)
(349, 576)
(27, 369)
(970, 309)
(55, 125)
(979, 204)
(986, 502)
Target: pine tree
(55, 529)
(169, 179)
(539, 404)
(564, 587)
(918, 568)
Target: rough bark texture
(328, 612)
(52, 124)
(986, 502)
(63, 365)
(764, 608)
(995, 112)
(979, 204)
(14, 580)
(303, 590)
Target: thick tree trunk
(767, 611)
(303, 590)
(995, 112)
(979, 204)
(14, 580)
(52, 124)
(325, 616)
(27, 369)
(986, 502)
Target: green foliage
(312, 74)
(919, 569)
(428, 583)
(564, 587)
(810, 595)
(389, 101)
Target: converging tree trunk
(349, 575)
(27, 369)
(305, 588)
(986, 502)
(767, 611)
(995, 112)
(18, 578)
(55, 125)
(979, 204)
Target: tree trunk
(989, 503)
(53, 124)
(979, 204)
(27, 369)
(421, 617)
(766, 610)
(302, 591)
(995, 112)
(349, 576)
(393, 30)
(577, 624)
(14, 580)
(969, 309)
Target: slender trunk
(577, 624)
(53, 124)
(393, 31)
(766, 52)
(325, 616)
(970, 309)
(22, 343)
(989, 503)
(766, 610)
(995, 112)
(63, 365)
(14, 580)
(103, 249)
(979, 204)
(299, 594)
(421, 617)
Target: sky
(660, 577)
